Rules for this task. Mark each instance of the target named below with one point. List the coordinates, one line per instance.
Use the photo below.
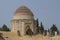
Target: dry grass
(14, 36)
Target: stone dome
(23, 13)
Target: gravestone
(55, 33)
(47, 33)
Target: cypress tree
(37, 25)
(41, 28)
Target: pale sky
(47, 11)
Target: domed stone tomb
(23, 20)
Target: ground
(14, 36)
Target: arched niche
(28, 30)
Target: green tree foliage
(5, 28)
(54, 29)
(0, 29)
(37, 25)
(37, 22)
(41, 28)
(45, 32)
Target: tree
(5, 28)
(53, 29)
(45, 32)
(37, 22)
(41, 28)
(0, 29)
(37, 25)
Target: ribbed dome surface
(24, 11)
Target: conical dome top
(24, 10)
